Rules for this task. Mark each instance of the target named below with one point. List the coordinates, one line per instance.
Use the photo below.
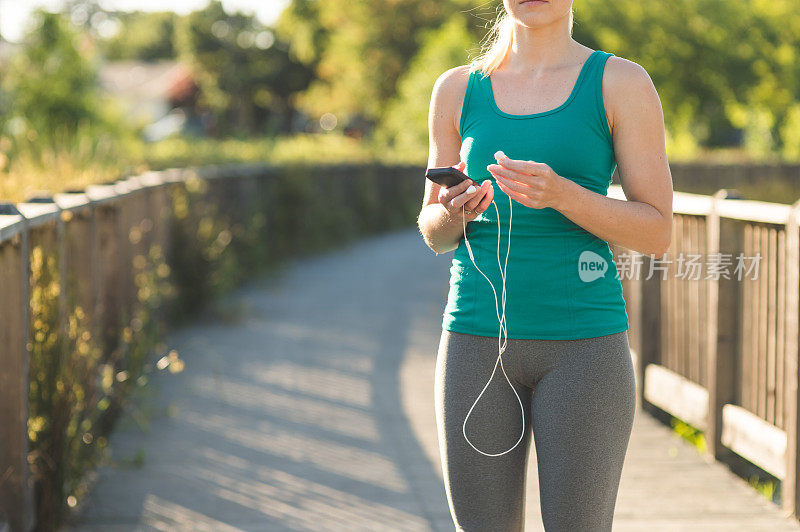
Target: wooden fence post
(16, 493)
(723, 237)
(124, 257)
(789, 491)
(105, 250)
(650, 334)
(161, 216)
(78, 218)
(630, 277)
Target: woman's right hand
(475, 202)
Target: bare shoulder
(626, 76)
(626, 83)
(453, 79)
(448, 92)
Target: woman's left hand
(533, 184)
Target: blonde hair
(498, 43)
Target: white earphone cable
(502, 338)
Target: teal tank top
(561, 282)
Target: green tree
(405, 124)
(727, 72)
(52, 86)
(718, 65)
(246, 76)
(301, 27)
(144, 36)
(366, 48)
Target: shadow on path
(292, 416)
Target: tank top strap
(469, 102)
(592, 90)
(594, 70)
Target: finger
(513, 185)
(475, 200)
(484, 202)
(461, 199)
(487, 199)
(523, 167)
(461, 187)
(516, 196)
(448, 193)
(496, 169)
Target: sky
(15, 14)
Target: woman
(541, 120)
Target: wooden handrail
(746, 343)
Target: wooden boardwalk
(307, 404)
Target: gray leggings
(579, 398)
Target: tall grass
(73, 162)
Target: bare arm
(440, 219)
(643, 222)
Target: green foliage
(66, 160)
(405, 126)
(718, 66)
(767, 488)
(758, 123)
(53, 118)
(726, 72)
(201, 258)
(145, 36)
(225, 232)
(52, 85)
(300, 26)
(246, 77)
(689, 433)
(790, 133)
(307, 147)
(98, 159)
(367, 47)
(684, 48)
(79, 384)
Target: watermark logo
(591, 266)
(689, 266)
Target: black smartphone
(446, 177)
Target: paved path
(311, 408)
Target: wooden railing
(718, 348)
(101, 233)
(95, 234)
